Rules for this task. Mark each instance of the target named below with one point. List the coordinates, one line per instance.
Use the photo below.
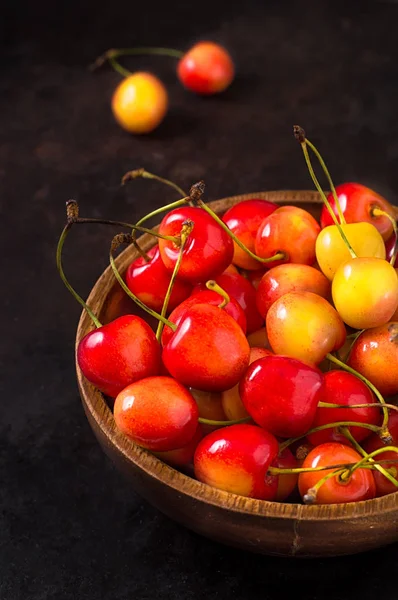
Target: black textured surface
(70, 526)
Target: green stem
(310, 496)
(119, 68)
(278, 256)
(294, 470)
(333, 189)
(377, 212)
(60, 246)
(369, 458)
(385, 435)
(214, 287)
(130, 175)
(113, 53)
(354, 337)
(332, 405)
(160, 210)
(223, 423)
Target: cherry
(208, 350)
(209, 249)
(182, 458)
(374, 354)
(157, 413)
(340, 387)
(373, 442)
(293, 390)
(358, 204)
(259, 339)
(305, 326)
(254, 277)
(286, 482)
(207, 68)
(390, 250)
(238, 287)
(149, 281)
(290, 230)
(231, 400)
(206, 296)
(210, 407)
(342, 485)
(140, 103)
(286, 278)
(236, 459)
(243, 220)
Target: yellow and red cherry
(289, 277)
(140, 103)
(236, 459)
(205, 296)
(357, 204)
(365, 292)
(208, 351)
(281, 394)
(208, 250)
(238, 287)
(231, 400)
(340, 387)
(206, 69)
(290, 230)
(341, 487)
(149, 281)
(157, 413)
(243, 220)
(305, 326)
(119, 353)
(332, 251)
(374, 355)
(182, 458)
(383, 485)
(210, 407)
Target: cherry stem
(186, 230)
(223, 423)
(369, 458)
(354, 337)
(332, 405)
(214, 287)
(113, 53)
(363, 453)
(384, 434)
(374, 428)
(377, 212)
(130, 175)
(300, 136)
(310, 496)
(293, 470)
(116, 242)
(72, 211)
(326, 171)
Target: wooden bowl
(266, 527)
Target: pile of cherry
(273, 370)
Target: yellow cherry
(332, 251)
(140, 103)
(365, 292)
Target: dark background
(70, 526)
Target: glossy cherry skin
(373, 442)
(291, 230)
(231, 400)
(360, 486)
(356, 202)
(289, 278)
(208, 351)
(182, 458)
(233, 309)
(241, 289)
(365, 292)
(255, 276)
(281, 394)
(206, 69)
(149, 281)
(119, 353)
(157, 413)
(340, 387)
(208, 251)
(305, 326)
(374, 354)
(236, 459)
(243, 220)
(390, 247)
(288, 482)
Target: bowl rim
(94, 402)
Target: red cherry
(281, 394)
(236, 459)
(208, 251)
(204, 297)
(288, 481)
(149, 282)
(291, 230)
(360, 485)
(206, 69)
(119, 353)
(182, 458)
(241, 289)
(390, 247)
(373, 442)
(357, 202)
(208, 351)
(243, 220)
(340, 387)
(158, 413)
